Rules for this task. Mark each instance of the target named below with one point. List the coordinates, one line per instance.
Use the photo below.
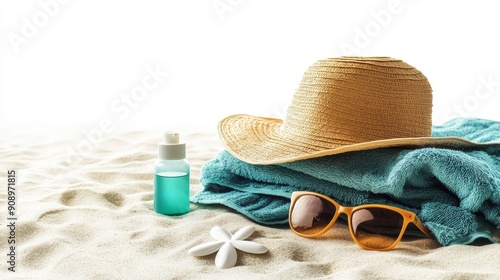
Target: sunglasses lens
(311, 214)
(376, 228)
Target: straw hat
(342, 104)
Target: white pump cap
(171, 148)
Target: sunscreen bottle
(171, 179)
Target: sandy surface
(84, 211)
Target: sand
(84, 211)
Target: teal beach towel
(455, 192)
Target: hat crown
(348, 100)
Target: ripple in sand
(87, 197)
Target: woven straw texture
(342, 104)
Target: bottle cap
(171, 148)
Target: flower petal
(249, 246)
(205, 248)
(226, 257)
(220, 234)
(243, 233)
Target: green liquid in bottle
(171, 193)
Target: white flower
(227, 244)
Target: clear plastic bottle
(171, 181)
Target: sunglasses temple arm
(421, 226)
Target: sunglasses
(372, 226)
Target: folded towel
(456, 193)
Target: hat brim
(259, 140)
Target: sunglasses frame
(409, 217)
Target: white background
(73, 61)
